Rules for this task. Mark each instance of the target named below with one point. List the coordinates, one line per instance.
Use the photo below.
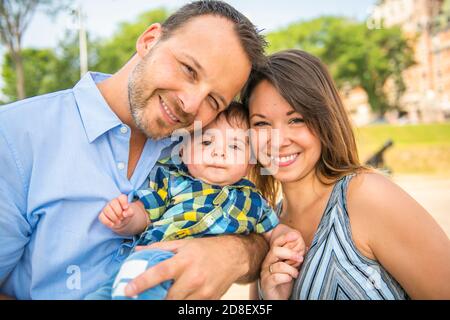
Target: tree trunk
(20, 75)
(377, 98)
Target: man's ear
(148, 39)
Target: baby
(205, 194)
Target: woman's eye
(297, 120)
(260, 124)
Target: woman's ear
(148, 39)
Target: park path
(433, 193)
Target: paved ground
(433, 193)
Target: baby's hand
(117, 213)
(291, 239)
(296, 243)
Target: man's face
(190, 76)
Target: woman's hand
(277, 273)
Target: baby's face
(220, 155)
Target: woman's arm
(401, 235)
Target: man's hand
(203, 268)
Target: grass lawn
(417, 149)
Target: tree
(15, 16)
(354, 54)
(112, 54)
(47, 70)
(37, 64)
(50, 70)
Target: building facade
(427, 96)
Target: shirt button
(123, 129)
(121, 166)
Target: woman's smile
(285, 160)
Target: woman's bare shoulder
(372, 188)
(375, 202)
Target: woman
(367, 238)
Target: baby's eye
(235, 147)
(206, 142)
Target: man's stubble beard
(139, 103)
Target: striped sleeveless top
(333, 268)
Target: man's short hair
(251, 40)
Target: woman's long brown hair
(305, 83)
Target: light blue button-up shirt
(63, 156)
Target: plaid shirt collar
(178, 167)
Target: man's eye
(190, 71)
(214, 104)
(297, 120)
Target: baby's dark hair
(236, 115)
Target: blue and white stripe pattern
(137, 263)
(334, 269)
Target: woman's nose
(280, 137)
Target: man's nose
(192, 99)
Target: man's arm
(255, 247)
(204, 268)
(14, 227)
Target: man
(64, 155)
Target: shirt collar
(176, 165)
(96, 115)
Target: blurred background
(389, 58)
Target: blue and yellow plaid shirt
(181, 206)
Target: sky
(102, 17)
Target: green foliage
(115, 52)
(15, 16)
(50, 70)
(354, 54)
(46, 70)
(38, 66)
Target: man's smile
(166, 110)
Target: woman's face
(280, 138)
